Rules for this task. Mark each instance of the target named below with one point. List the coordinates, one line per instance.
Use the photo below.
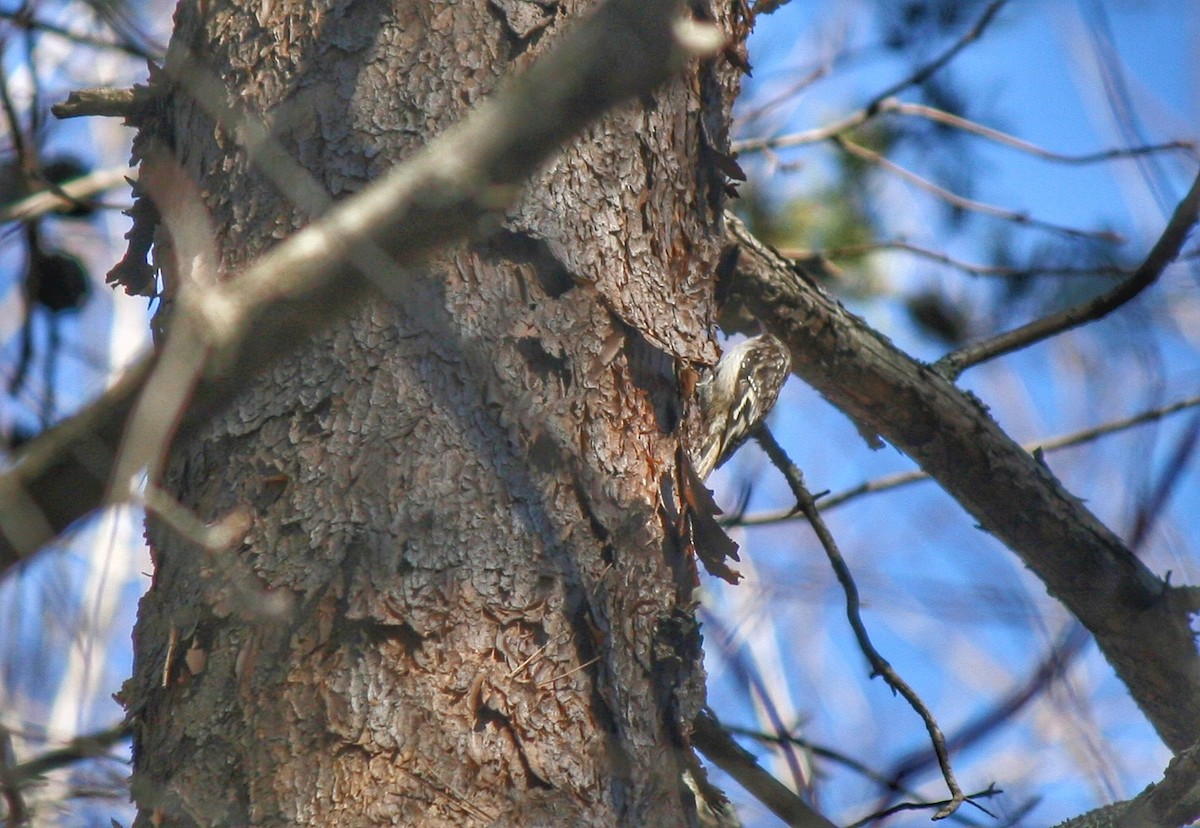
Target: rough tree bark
(464, 596)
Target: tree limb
(1140, 623)
(1172, 801)
(720, 748)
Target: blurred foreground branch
(463, 181)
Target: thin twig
(873, 107)
(15, 130)
(25, 20)
(1054, 665)
(972, 268)
(879, 665)
(986, 793)
(1153, 504)
(849, 762)
(973, 127)
(795, 88)
(78, 749)
(895, 481)
(576, 669)
(1165, 250)
(963, 203)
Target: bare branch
(880, 666)
(970, 204)
(78, 749)
(10, 789)
(873, 107)
(895, 481)
(1140, 627)
(461, 182)
(1165, 251)
(105, 102)
(66, 195)
(24, 19)
(965, 124)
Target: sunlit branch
(58, 197)
(1165, 251)
(969, 204)
(751, 678)
(896, 481)
(214, 537)
(958, 122)
(879, 665)
(104, 102)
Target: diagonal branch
(895, 481)
(1165, 251)
(1003, 138)
(1140, 623)
(880, 666)
(720, 748)
(78, 749)
(462, 182)
(964, 203)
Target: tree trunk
(464, 595)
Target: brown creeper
(736, 397)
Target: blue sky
(952, 608)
